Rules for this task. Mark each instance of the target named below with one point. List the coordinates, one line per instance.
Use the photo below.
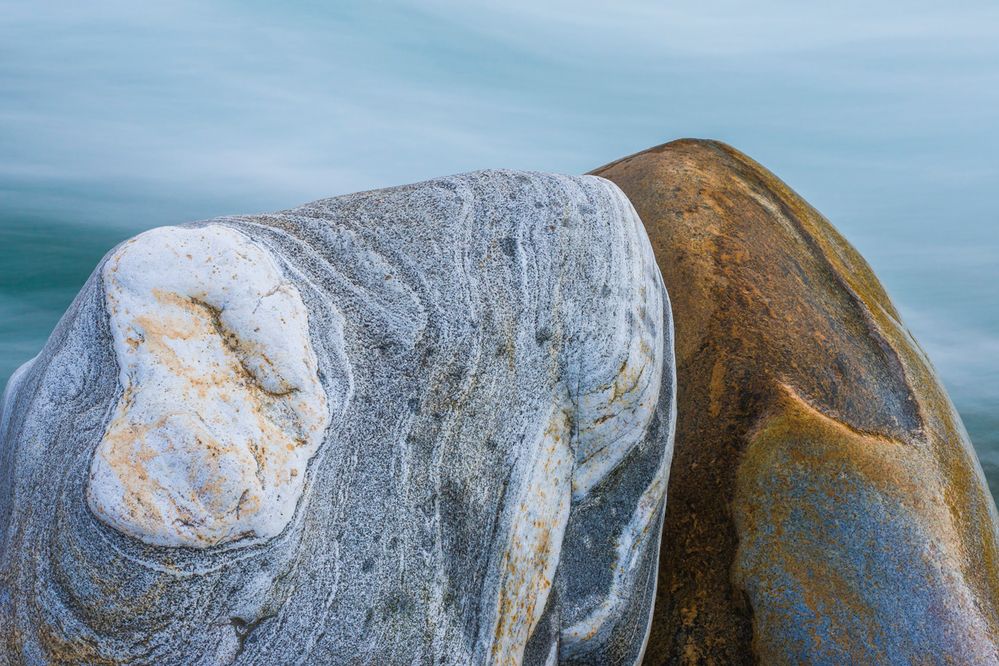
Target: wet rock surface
(825, 504)
(426, 424)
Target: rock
(426, 424)
(204, 318)
(825, 505)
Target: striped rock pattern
(826, 506)
(426, 424)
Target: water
(116, 117)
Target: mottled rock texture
(430, 424)
(826, 505)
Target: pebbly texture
(428, 424)
(826, 505)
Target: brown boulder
(825, 504)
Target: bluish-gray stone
(426, 424)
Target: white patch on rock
(221, 405)
(620, 388)
(534, 547)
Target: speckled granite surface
(427, 424)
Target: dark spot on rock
(397, 604)
(509, 246)
(246, 630)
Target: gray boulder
(426, 424)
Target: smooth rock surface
(826, 505)
(426, 424)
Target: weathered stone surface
(203, 318)
(427, 424)
(825, 504)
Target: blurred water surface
(116, 117)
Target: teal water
(116, 117)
